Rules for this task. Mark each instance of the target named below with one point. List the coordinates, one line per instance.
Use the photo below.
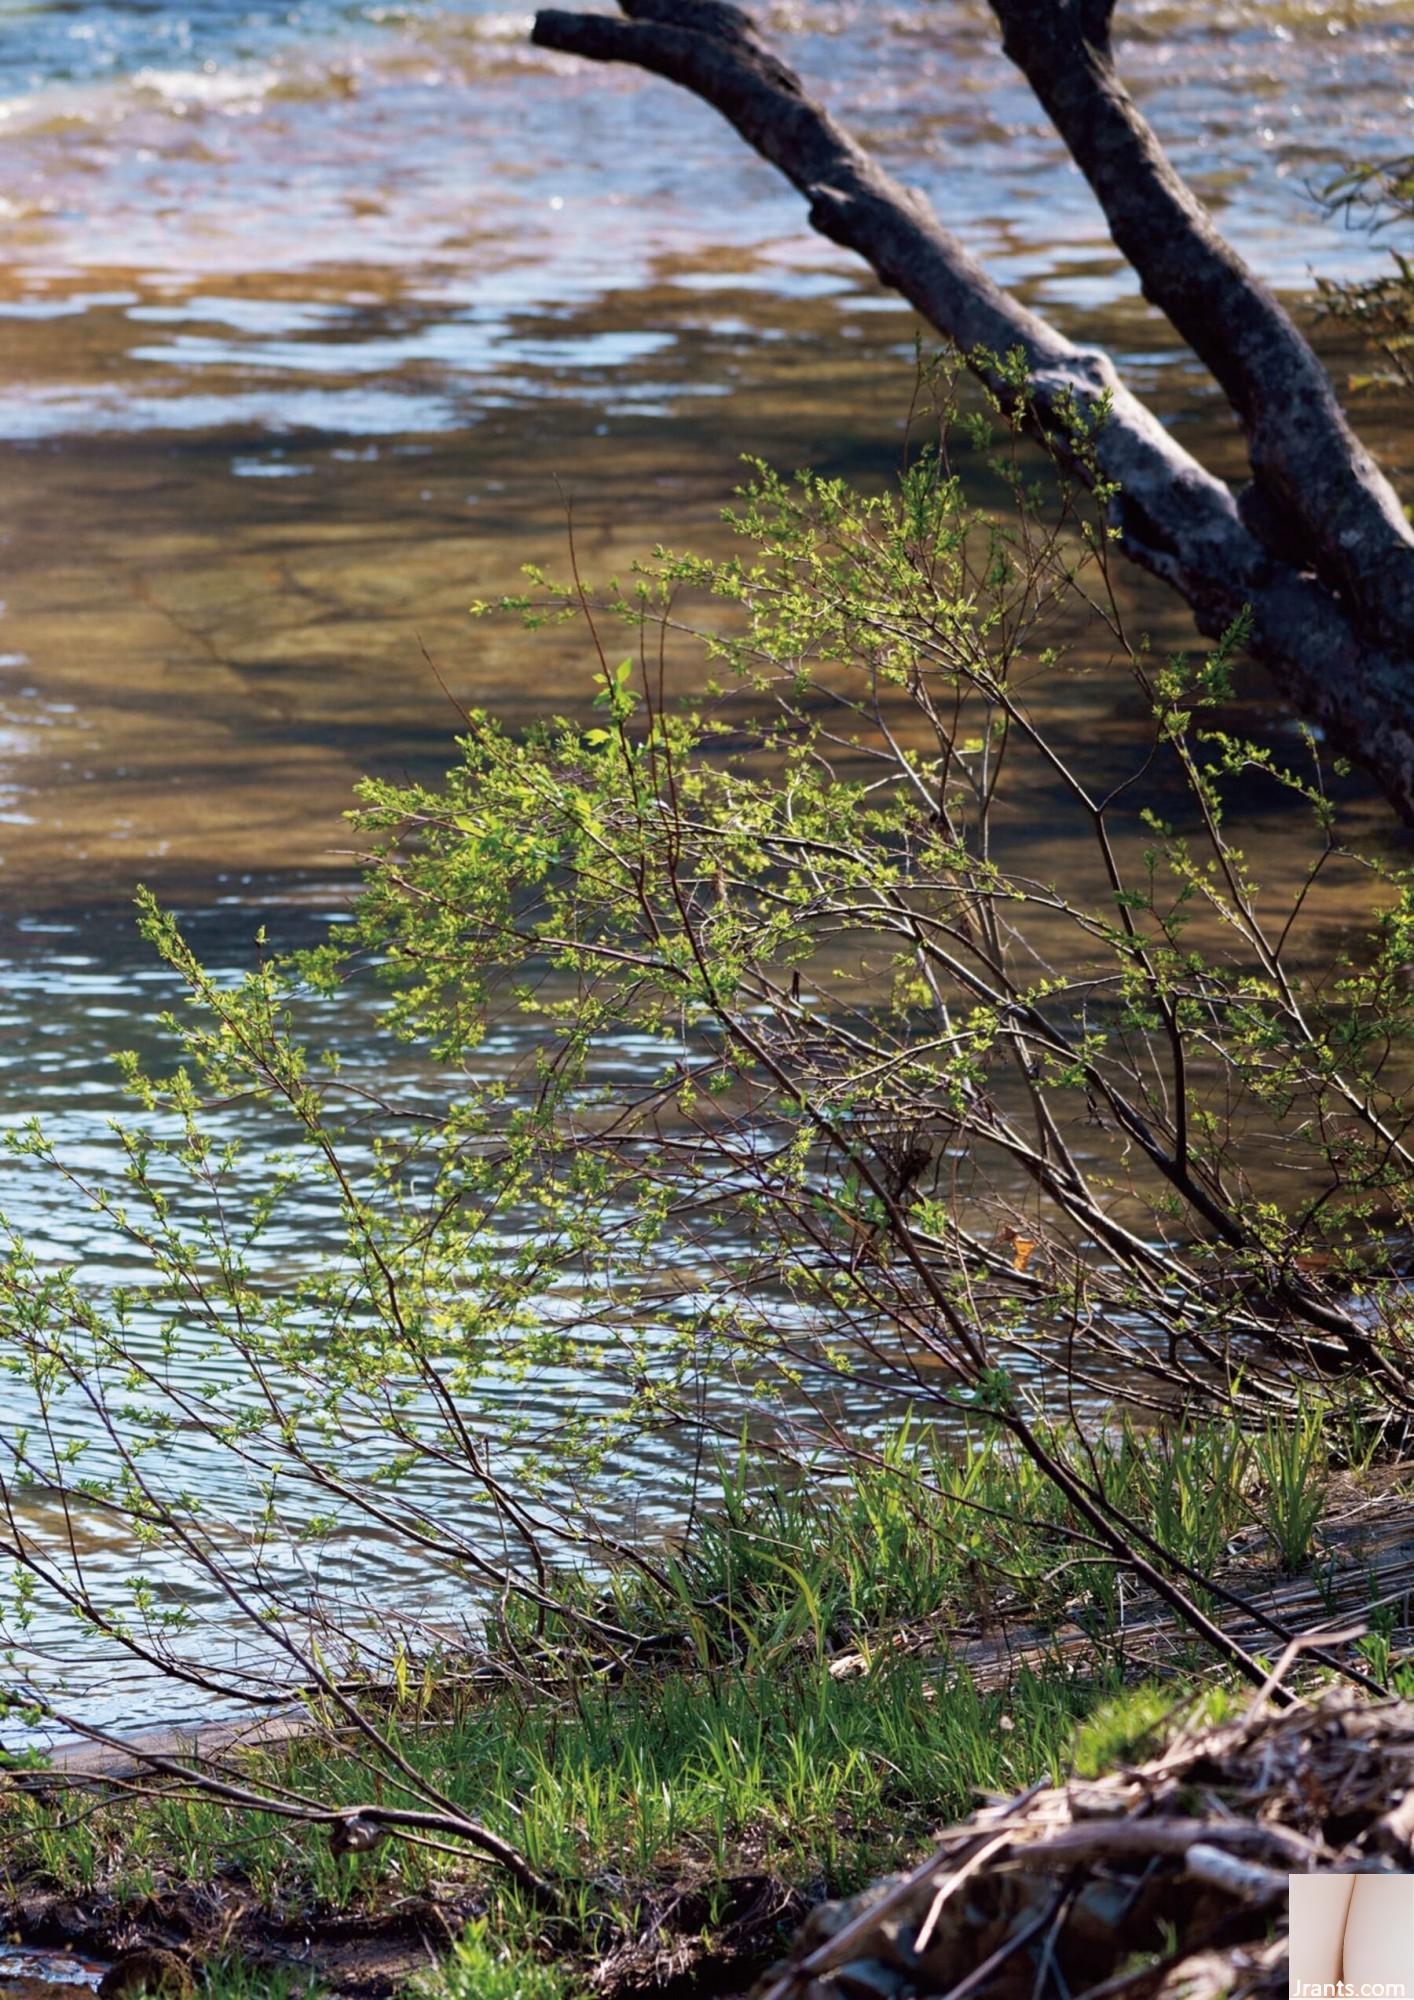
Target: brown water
(306, 314)
(311, 318)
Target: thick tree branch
(1323, 494)
(1172, 516)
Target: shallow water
(31, 1974)
(313, 315)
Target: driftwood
(1317, 548)
(1166, 1878)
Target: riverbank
(828, 1677)
(257, 472)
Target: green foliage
(929, 1540)
(233, 1979)
(1380, 195)
(1137, 1724)
(1293, 1459)
(805, 908)
(832, 1102)
(763, 1754)
(479, 1968)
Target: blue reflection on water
(77, 42)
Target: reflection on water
(309, 308)
(70, 992)
(27, 1974)
(312, 313)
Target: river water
(312, 315)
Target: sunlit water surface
(314, 316)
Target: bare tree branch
(1338, 643)
(1312, 472)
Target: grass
(478, 1968)
(231, 1979)
(953, 1536)
(799, 1713)
(684, 1778)
(795, 1771)
(1295, 1462)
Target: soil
(369, 1955)
(1163, 1876)
(363, 1957)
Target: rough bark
(1321, 491)
(1320, 551)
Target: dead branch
(1215, 1883)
